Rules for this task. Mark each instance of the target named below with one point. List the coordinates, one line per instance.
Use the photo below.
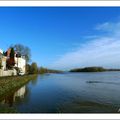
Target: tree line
(35, 69)
(92, 69)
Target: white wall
(8, 72)
(4, 63)
(1, 51)
(20, 63)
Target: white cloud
(105, 26)
(101, 51)
(113, 28)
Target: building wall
(1, 51)
(20, 63)
(3, 62)
(8, 72)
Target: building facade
(2, 60)
(19, 66)
(20, 63)
(1, 51)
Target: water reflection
(34, 81)
(68, 93)
(19, 94)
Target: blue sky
(64, 37)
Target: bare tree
(23, 50)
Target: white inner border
(59, 3)
(68, 4)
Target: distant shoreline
(92, 69)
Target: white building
(1, 51)
(21, 64)
(2, 60)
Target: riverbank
(9, 84)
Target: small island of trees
(92, 69)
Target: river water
(97, 92)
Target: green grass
(9, 84)
(6, 109)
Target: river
(97, 92)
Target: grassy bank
(9, 84)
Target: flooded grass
(114, 83)
(87, 107)
(93, 82)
